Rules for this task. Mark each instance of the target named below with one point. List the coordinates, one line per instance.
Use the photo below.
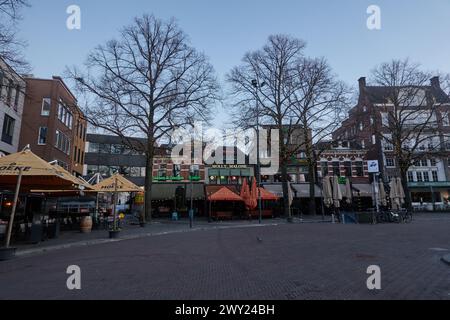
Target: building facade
(53, 125)
(109, 154)
(12, 96)
(297, 165)
(368, 122)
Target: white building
(12, 97)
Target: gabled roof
(380, 95)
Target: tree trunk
(149, 181)
(284, 179)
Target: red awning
(267, 195)
(225, 194)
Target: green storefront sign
(429, 184)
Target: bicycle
(406, 216)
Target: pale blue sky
(226, 29)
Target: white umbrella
(348, 195)
(382, 190)
(327, 192)
(337, 193)
(395, 199)
(400, 191)
(290, 194)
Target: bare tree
(409, 127)
(299, 95)
(145, 84)
(10, 45)
(318, 107)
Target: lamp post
(258, 86)
(191, 211)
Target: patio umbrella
(252, 202)
(327, 192)
(290, 194)
(225, 194)
(400, 191)
(268, 196)
(337, 194)
(395, 198)
(245, 190)
(116, 183)
(82, 184)
(348, 194)
(25, 170)
(246, 195)
(383, 196)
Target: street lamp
(191, 212)
(257, 87)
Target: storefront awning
(276, 189)
(365, 190)
(303, 191)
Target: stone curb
(79, 244)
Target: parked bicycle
(390, 216)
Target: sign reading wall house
(374, 166)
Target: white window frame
(44, 100)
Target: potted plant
(114, 233)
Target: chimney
(362, 83)
(435, 82)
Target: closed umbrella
(383, 196)
(348, 195)
(245, 194)
(327, 192)
(290, 194)
(252, 203)
(400, 191)
(337, 193)
(395, 199)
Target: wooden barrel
(86, 225)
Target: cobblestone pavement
(283, 262)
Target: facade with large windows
(53, 125)
(12, 95)
(369, 125)
(109, 154)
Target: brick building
(52, 123)
(368, 122)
